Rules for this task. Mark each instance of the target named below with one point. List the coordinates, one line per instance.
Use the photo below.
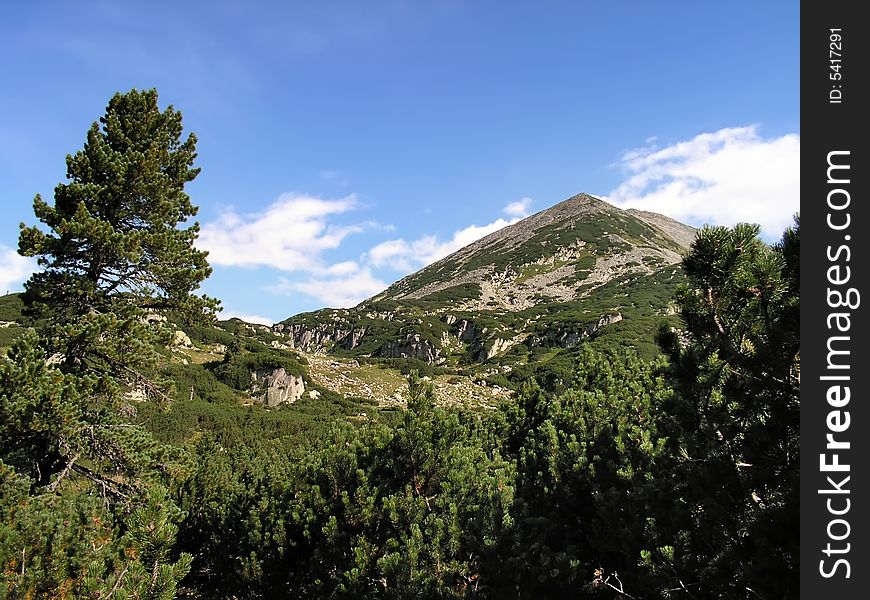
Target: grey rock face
(498, 346)
(181, 340)
(466, 332)
(513, 279)
(572, 337)
(413, 346)
(321, 337)
(275, 387)
(565, 253)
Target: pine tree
(733, 423)
(115, 250)
(113, 255)
(148, 573)
(115, 259)
(583, 460)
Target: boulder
(181, 340)
(498, 346)
(276, 387)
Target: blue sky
(346, 144)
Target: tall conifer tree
(117, 258)
(114, 242)
(114, 224)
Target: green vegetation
(112, 253)
(457, 293)
(236, 368)
(733, 423)
(11, 319)
(614, 470)
(11, 308)
(641, 297)
(406, 366)
(538, 269)
(9, 334)
(582, 268)
(603, 233)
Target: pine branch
(139, 377)
(117, 585)
(64, 473)
(114, 488)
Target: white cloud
(289, 235)
(408, 256)
(14, 269)
(348, 283)
(520, 208)
(405, 256)
(399, 254)
(226, 315)
(375, 226)
(337, 292)
(343, 268)
(465, 236)
(720, 178)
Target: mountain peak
(581, 270)
(557, 254)
(580, 202)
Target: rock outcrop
(497, 346)
(567, 338)
(537, 282)
(181, 340)
(321, 337)
(275, 387)
(413, 346)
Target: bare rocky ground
(553, 277)
(389, 387)
(679, 232)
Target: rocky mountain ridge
(547, 253)
(553, 279)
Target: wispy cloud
(722, 178)
(289, 235)
(14, 269)
(349, 283)
(518, 209)
(226, 315)
(405, 256)
(336, 177)
(344, 289)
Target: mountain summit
(580, 270)
(556, 255)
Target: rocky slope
(554, 279)
(559, 254)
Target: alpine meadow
(589, 402)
